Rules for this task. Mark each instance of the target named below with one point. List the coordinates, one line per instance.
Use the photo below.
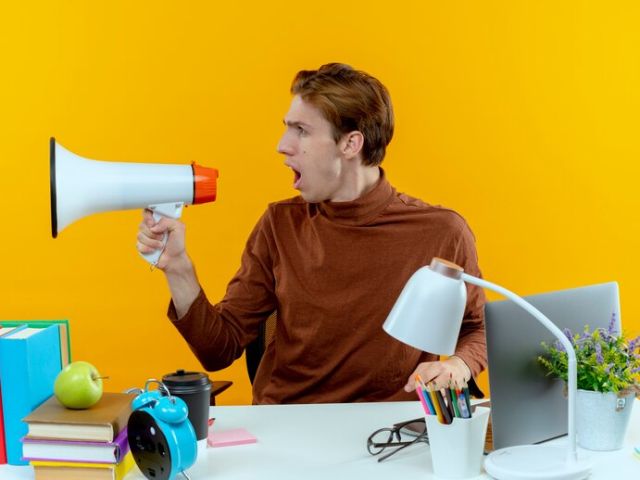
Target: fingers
(147, 245)
(151, 233)
(439, 374)
(410, 386)
(147, 218)
(461, 367)
(443, 380)
(155, 229)
(428, 372)
(148, 239)
(152, 227)
(439, 381)
(166, 234)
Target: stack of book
(90, 444)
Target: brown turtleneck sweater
(333, 270)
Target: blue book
(65, 333)
(29, 364)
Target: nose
(285, 146)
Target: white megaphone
(80, 187)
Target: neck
(359, 181)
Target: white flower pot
(602, 419)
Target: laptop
(527, 406)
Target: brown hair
(350, 100)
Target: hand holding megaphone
(166, 235)
(81, 187)
(170, 210)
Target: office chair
(217, 387)
(255, 350)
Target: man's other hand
(453, 370)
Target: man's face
(311, 153)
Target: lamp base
(535, 462)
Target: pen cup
(457, 448)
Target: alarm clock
(161, 437)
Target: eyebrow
(296, 124)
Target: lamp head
(429, 310)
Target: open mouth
(296, 178)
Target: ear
(351, 144)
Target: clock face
(149, 446)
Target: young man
(331, 261)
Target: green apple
(78, 385)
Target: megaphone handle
(172, 210)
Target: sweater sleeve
(472, 345)
(218, 333)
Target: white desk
(329, 442)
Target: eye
(301, 131)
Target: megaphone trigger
(171, 210)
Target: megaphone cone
(80, 186)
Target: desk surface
(328, 441)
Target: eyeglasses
(392, 437)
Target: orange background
(523, 116)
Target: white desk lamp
(428, 315)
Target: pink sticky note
(227, 438)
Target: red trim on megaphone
(205, 184)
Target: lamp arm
(572, 383)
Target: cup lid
(182, 379)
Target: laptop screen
(526, 405)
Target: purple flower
(568, 334)
(608, 368)
(602, 333)
(612, 325)
(599, 354)
(635, 370)
(558, 346)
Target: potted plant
(608, 370)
